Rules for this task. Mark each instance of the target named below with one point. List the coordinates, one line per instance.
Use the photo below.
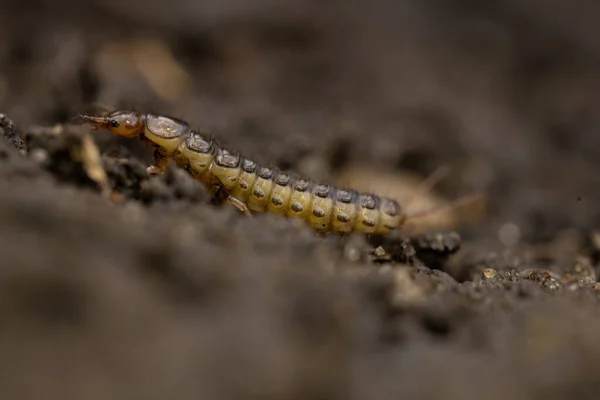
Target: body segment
(250, 187)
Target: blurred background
(505, 92)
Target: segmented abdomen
(262, 189)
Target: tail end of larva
(476, 202)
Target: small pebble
(40, 156)
(489, 273)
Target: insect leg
(239, 205)
(161, 161)
(221, 195)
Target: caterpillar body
(250, 187)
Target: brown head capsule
(122, 123)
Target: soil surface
(118, 285)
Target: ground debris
(9, 131)
(548, 279)
(70, 153)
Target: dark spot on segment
(369, 201)
(249, 166)
(297, 207)
(265, 173)
(276, 201)
(259, 193)
(345, 196)
(243, 185)
(227, 159)
(343, 218)
(283, 179)
(302, 185)
(322, 191)
(199, 144)
(318, 213)
(368, 222)
(390, 207)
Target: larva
(250, 187)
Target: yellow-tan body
(253, 188)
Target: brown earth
(140, 287)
